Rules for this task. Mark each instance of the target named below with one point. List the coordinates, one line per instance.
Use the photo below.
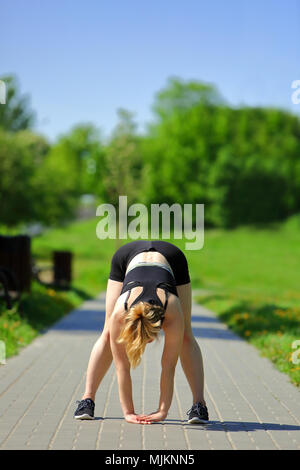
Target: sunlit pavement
(251, 405)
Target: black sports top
(150, 278)
(172, 253)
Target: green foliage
(242, 164)
(39, 310)
(20, 154)
(122, 161)
(78, 157)
(72, 167)
(244, 191)
(16, 114)
(42, 183)
(270, 327)
(179, 96)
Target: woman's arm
(122, 369)
(173, 329)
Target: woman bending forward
(148, 290)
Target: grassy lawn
(249, 277)
(40, 309)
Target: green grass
(92, 257)
(249, 277)
(39, 309)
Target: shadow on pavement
(84, 320)
(81, 320)
(225, 426)
(238, 426)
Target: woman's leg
(101, 356)
(190, 356)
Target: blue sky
(80, 60)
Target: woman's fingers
(135, 419)
(149, 418)
(143, 419)
(155, 417)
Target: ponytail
(142, 324)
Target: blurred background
(165, 102)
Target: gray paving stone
(251, 404)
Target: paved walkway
(251, 405)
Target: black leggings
(172, 253)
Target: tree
(122, 160)
(73, 167)
(21, 153)
(179, 96)
(16, 114)
(122, 164)
(242, 163)
(78, 157)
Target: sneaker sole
(85, 416)
(197, 421)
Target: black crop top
(150, 278)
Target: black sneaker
(198, 414)
(85, 409)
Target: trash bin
(62, 263)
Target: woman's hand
(154, 417)
(136, 419)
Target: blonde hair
(142, 324)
